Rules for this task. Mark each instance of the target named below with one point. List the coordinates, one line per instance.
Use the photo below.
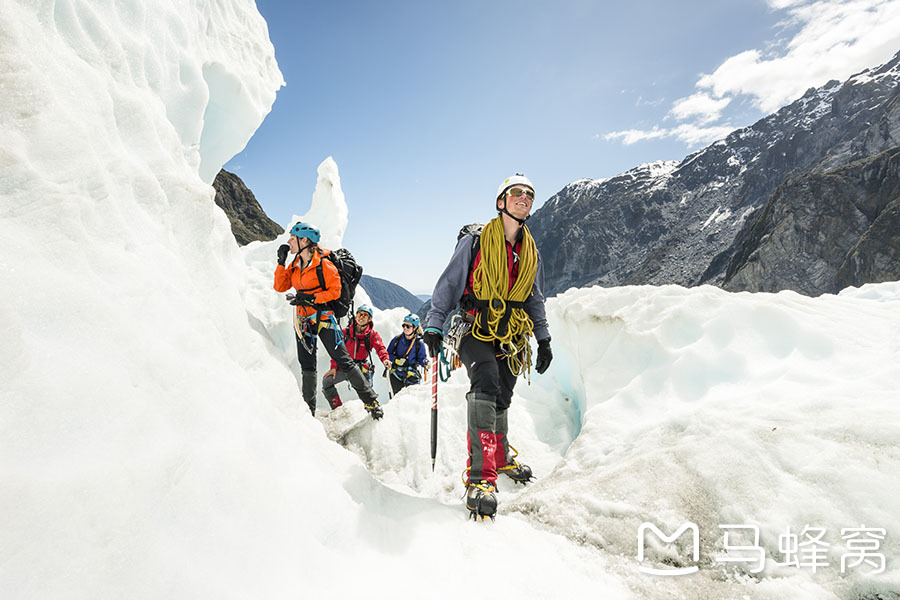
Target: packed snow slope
(145, 449)
(152, 443)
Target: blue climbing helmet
(305, 230)
(411, 319)
(366, 309)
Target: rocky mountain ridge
(387, 294)
(841, 227)
(684, 222)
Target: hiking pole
(388, 379)
(434, 381)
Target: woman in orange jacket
(313, 320)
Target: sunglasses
(408, 326)
(516, 192)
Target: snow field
(153, 440)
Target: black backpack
(475, 230)
(350, 273)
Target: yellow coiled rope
(490, 282)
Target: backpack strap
(367, 340)
(476, 248)
(392, 345)
(351, 335)
(411, 344)
(320, 275)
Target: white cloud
(832, 39)
(641, 101)
(835, 39)
(688, 133)
(781, 4)
(701, 105)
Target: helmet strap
(511, 216)
(517, 219)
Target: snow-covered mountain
(683, 222)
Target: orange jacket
(307, 281)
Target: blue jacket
(417, 356)
(452, 284)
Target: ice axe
(434, 409)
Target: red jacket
(359, 343)
(306, 279)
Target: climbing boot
(481, 499)
(365, 392)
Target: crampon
(481, 500)
(374, 410)
(518, 472)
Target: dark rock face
(385, 294)
(689, 222)
(818, 224)
(248, 220)
(875, 258)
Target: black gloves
(433, 338)
(544, 356)
(304, 299)
(282, 253)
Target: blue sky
(426, 106)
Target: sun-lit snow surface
(770, 410)
(151, 439)
(146, 449)
(775, 411)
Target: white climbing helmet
(517, 179)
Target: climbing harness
(408, 371)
